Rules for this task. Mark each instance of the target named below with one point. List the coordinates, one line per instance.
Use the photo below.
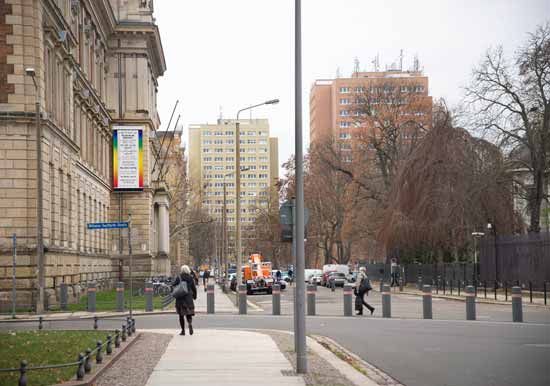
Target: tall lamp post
(224, 221)
(476, 235)
(491, 227)
(238, 184)
(39, 187)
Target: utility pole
(300, 330)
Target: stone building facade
(96, 66)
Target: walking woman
(185, 306)
(362, 287)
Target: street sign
(286, 220)
(107, 225)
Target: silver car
(339, 279)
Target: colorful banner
(128, 158)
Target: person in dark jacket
(362, 285)
(185, 306)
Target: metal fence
(513, 258)
(428, 272)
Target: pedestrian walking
(362, 287)
(278, 275)
(195, 277)
(290, 278)
(185, 305)
(205, 277)
(394, 269)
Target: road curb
(349, 364)
(478, 300)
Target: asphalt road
(446, 351)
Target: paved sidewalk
(222, 357)
(221, 302)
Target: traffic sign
(107, 225)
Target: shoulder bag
(180, 290)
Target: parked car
(339, 279)
(282, 284)
(316, 279)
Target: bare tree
(450, 185)
(267, 233)
(337, 203)
(511, 105)
(389, 119)
(201, 230)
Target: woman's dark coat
(185, 305)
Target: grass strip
(41, 348)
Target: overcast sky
(229, 54)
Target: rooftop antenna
(376, 62)
(221, 113)
(338, 75)
(416, 65)
(356, 67)
(401, 60)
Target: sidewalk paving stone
(222, 357)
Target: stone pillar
(163, 230)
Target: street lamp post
(39, 188)
(238, 184)
(491, 227)
(224, 222)
(476, 235)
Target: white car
(316, 279)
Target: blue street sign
(107, 225)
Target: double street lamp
(238, 184)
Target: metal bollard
(210, 299)
(123, 333)
(117, 338)
(332, 285)
(87, 364)
(530, 292)
(400, 284)
(40, 326)
(242, 299)
(419, 284)
(109, 348)
(120, 296)
(311, 290)
(92, 297)
(23, 373)
(95, 322)
(98, 355)
(63, 296)
(276, 299)
(80, 369)
(427, 302)
(129, 326)
(348, 300)
(133, 325)
(470, 303)
(517, 310)
(148, 297)
(386, 301)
